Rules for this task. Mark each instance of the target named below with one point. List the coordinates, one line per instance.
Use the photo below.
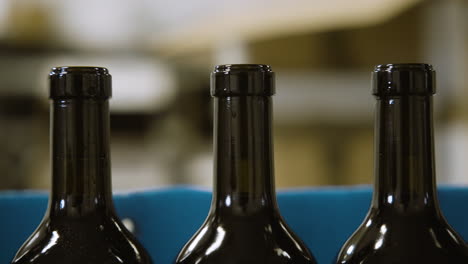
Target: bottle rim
(403, 66)
(72, 82)
(61, 70)
(242, 80)
(403, 79)
(242, 67)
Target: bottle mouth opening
(403, 67)
(61, 70)
(226, 68)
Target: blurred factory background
(160, 54)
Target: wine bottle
(404, 224)
(244, 224)
(80, 225)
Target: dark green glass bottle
(80, 225)
(244, 225)
(404, 224)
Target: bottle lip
(61, 70)
(403, 79)
(242, 80)
(75, 82)
(403, 66)
(227, 68)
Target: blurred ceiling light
(182, 26)
(192, 25)
(139, 85)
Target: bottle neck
(81, 179)
(243, 153)
(404, 160)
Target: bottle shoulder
(244, 240)
(105, 241)
(419, 238)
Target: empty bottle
(80, 225)
(404, 224)
(244, 224)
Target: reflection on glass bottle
(80, 225)
(404, 224)
(244, 224)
